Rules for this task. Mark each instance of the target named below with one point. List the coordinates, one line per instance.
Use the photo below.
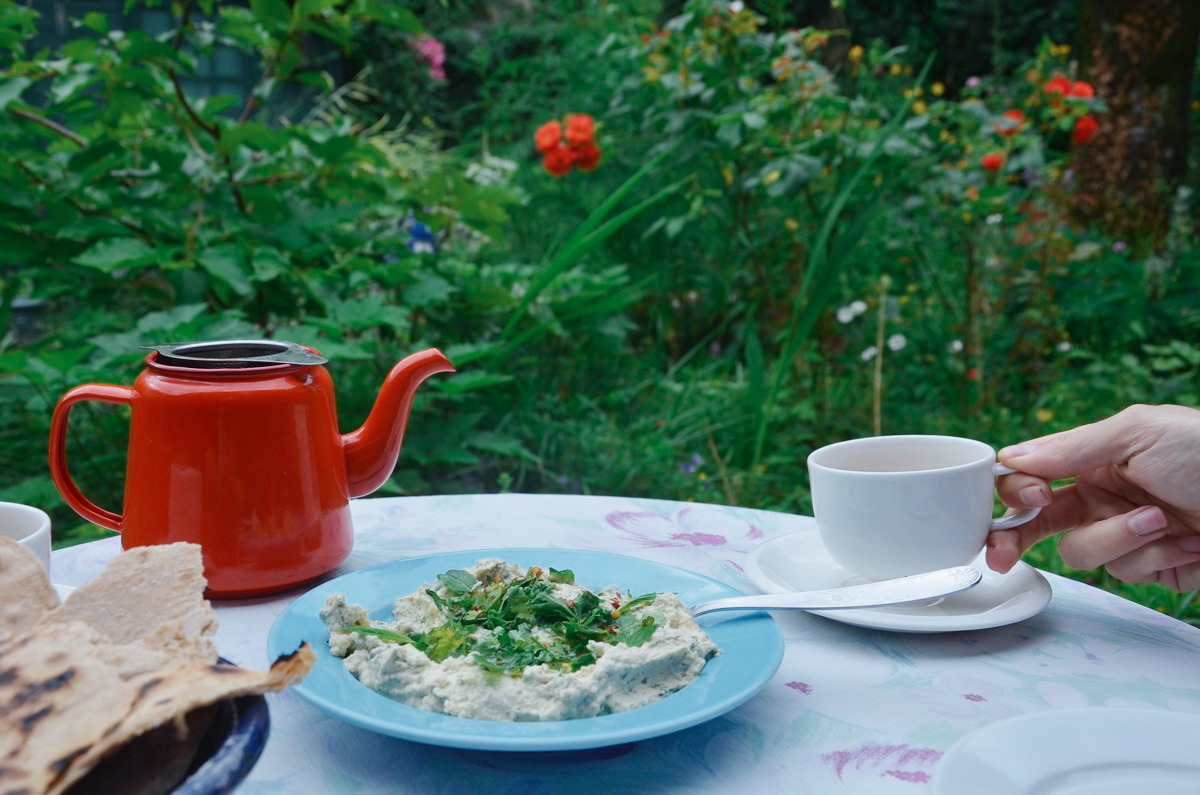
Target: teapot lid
(234, 354)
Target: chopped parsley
(529, 624)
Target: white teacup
(28, 526)
(890, 506)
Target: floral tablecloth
(850, 709)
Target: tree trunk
(1140, 57)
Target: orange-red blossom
(577, 148)
(1010, 122)
(1085, 128)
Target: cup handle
(1010, 520)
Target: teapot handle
(106, 393)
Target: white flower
(736, 7)
(869, 354)
(995, 218)
(992, 262)
(859, 307)
(955, 346)
(845, 314)
(896, 342)
(1064, 347)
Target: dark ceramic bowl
(230, 748)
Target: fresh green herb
(382, 634)
(458, 581)
(509, 626)
(566, 575)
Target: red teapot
(234, 445)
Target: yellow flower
(1044, 415)
(937, 89)
(879, 179)
(772, 177)
(727, 173)
(895, 69)
(919, 107)
(792, 224)
(908, 93)
(966, 218)
(856, 53)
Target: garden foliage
(670, 247)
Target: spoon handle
(904, 590)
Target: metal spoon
(901, 591)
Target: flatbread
(25, 592)
(150, 595)
(124, 669)
(69, 698)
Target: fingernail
(1189, 543)
(1015, 451)
(1146, 520)
(1036, 496)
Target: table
(849, 710)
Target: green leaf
(635, 630)
(499, 444)
(115, 253)
(251, 133)
(95, 21)
(428, 289)
(387, 12)
(562, 575)
(271, 14)
(382, 634)
(458, 581)
(11, 89)
(226, 263)
(143, 47)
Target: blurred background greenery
(810, 221)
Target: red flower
(581, 129)
(587, 157)
(548, 136)
(1058, 85)
(558, 161)
(1085, 128)
(973, 374)
(1082, 90)
(992, 161)
(1010, 122)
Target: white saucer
(800, 562)
(1100, 751)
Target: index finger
(1087, 447)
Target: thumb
(1082, 449)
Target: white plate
(800, 562)
(1099, 751)
(63, 591)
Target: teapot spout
(371, 450)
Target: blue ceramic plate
(750, 643)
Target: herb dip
(498, 642)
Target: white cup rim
(38, 520)
(986, 454)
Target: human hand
(1134, 507)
